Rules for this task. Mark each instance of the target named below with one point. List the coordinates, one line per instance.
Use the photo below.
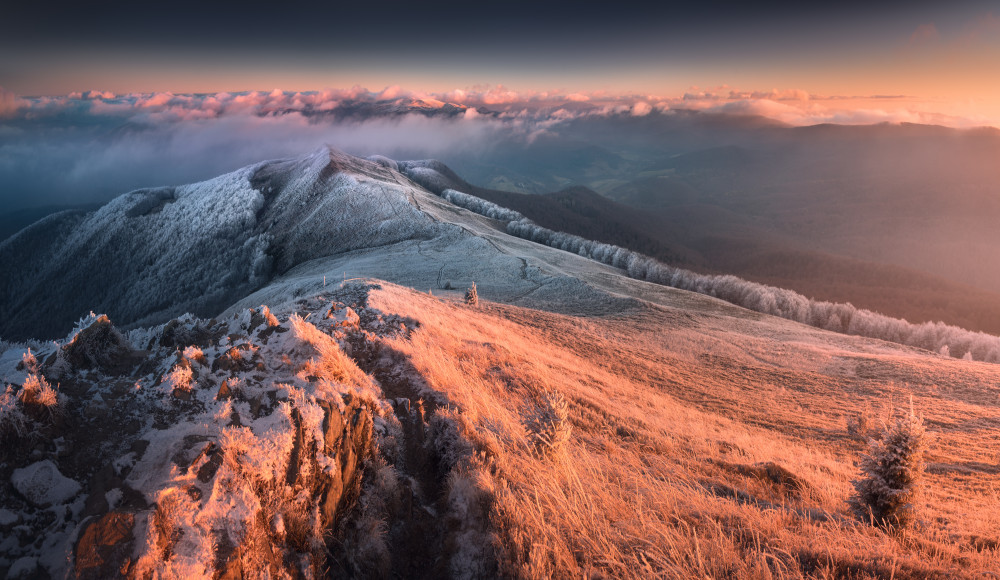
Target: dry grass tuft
(549, 428)
(37, 391)
(180, 378)
(29, 363)
(194, 354)
(263, 315)
(39, 400)
(330, 363)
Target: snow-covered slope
(152, 254)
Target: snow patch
(23, 568)
(43, 485)
(7, 518)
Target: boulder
(43, 485)
(100, 346)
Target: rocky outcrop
(105, 547)
(99, 346)
(326, 470)
(252, 471)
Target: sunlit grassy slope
(707, 441)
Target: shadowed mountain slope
(152, 254)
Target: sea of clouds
(91, 146)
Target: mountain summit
(153, 254)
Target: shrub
(549, 428)
(860, 425)
(865, 423)
(472, 296)
(892, 474)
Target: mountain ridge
(375, 217)
(370, 421)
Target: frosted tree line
(838, 317)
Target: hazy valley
(895, 218)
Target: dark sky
(792, 62)
(205, 46)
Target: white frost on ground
(23, 568)
(7, 518)
(9, 373)
(404, 235)
(42, 484)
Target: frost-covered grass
(648, 441)
(34, 404)
(13, 422)
(38, 392)
(639, 438)
(6, 345)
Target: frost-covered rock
(7, 518)
(43, 485)
(23, 568)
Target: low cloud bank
(90, 146)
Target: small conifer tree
(472, 296)
(892, 474)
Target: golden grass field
(707, 441)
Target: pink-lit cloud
(164, 138)
(541, 109)
(641, 109)
(92, 95)
(393, 92)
